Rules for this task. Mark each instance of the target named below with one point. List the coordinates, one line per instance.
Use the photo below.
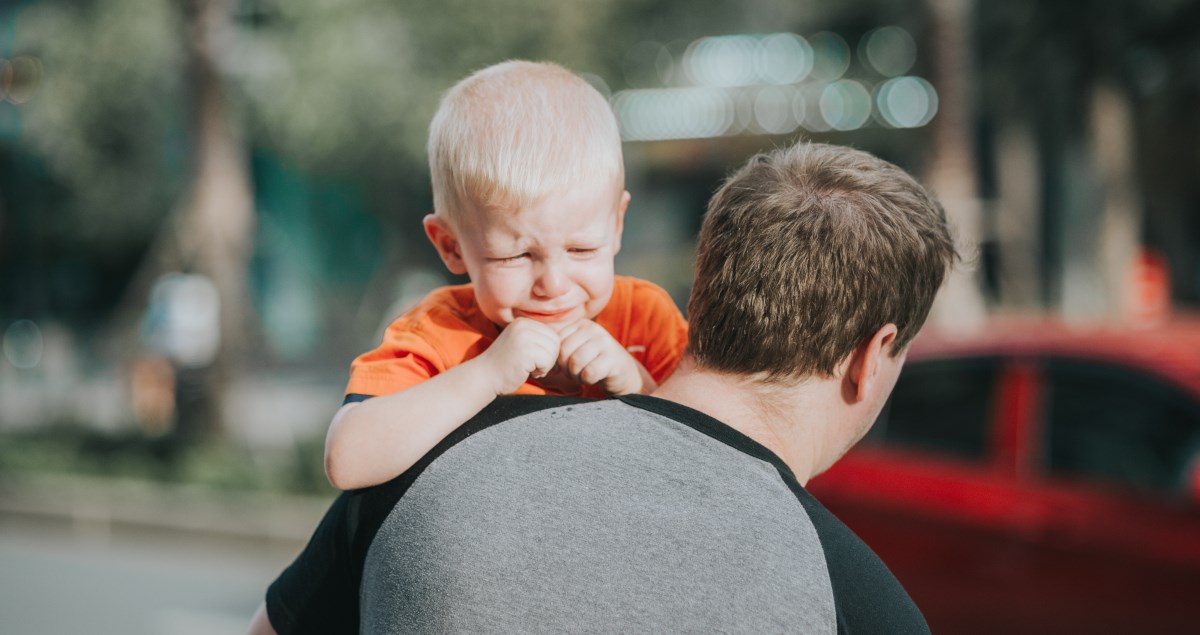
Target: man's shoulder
(861, 579)
(594, 504)
(636, 428)
(509, 407)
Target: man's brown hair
(807, 251)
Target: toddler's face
(551, 261)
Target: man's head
(528, 191)
(805, 254)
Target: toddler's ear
(621, 220)
(441, 234)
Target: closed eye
(515, 258)
(584, 251)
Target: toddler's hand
(591, 355)
(526, 348)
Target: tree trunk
(1017, 218)
(1121, 219)
(217, 222)
(208, 233)
(951, 173)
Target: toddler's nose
(551, 281)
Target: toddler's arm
(376, 440)
(591, 355)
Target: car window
(1119, 425)
(940, 406)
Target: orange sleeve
(657, 333)
(404, 359)
(441, 331)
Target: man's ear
(442, 235)
(621, 207)
(862, 368)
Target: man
(684, 510)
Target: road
(63, 576)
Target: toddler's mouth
(546, 316)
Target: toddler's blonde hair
(513, 132)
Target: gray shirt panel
(596, 517)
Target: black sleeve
(318, 592)
(869, 599)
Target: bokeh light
(643, 62)
(845, 105)
(799, 107)
(598, 83)
(20, 78)
(743, 113)
(771, 84)
(724, 61)
(906, 102)
(664, 65)
(831, 56)
(773, 110)
(183, 320)
(784, 58)
(890, 50)
(742, 60)
(23, 344)
(673, 113)
(807, 105)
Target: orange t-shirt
(446, 329)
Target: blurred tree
(1103, 91)
(123, 132)
(106, 121)
(150, 107)
(99, 155)
(952, 170)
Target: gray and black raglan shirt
(547, 514)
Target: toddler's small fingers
(581, 361)
(543, 369)
(567, 330)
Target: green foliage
(338, 92)
(350, 87)
(214, 465)
(106, 118)
(331, 87)
(342, 89)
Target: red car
(1038, 478)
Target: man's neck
(785, 420)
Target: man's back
(620, 515)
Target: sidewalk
(272, 527)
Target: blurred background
(209, 207)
